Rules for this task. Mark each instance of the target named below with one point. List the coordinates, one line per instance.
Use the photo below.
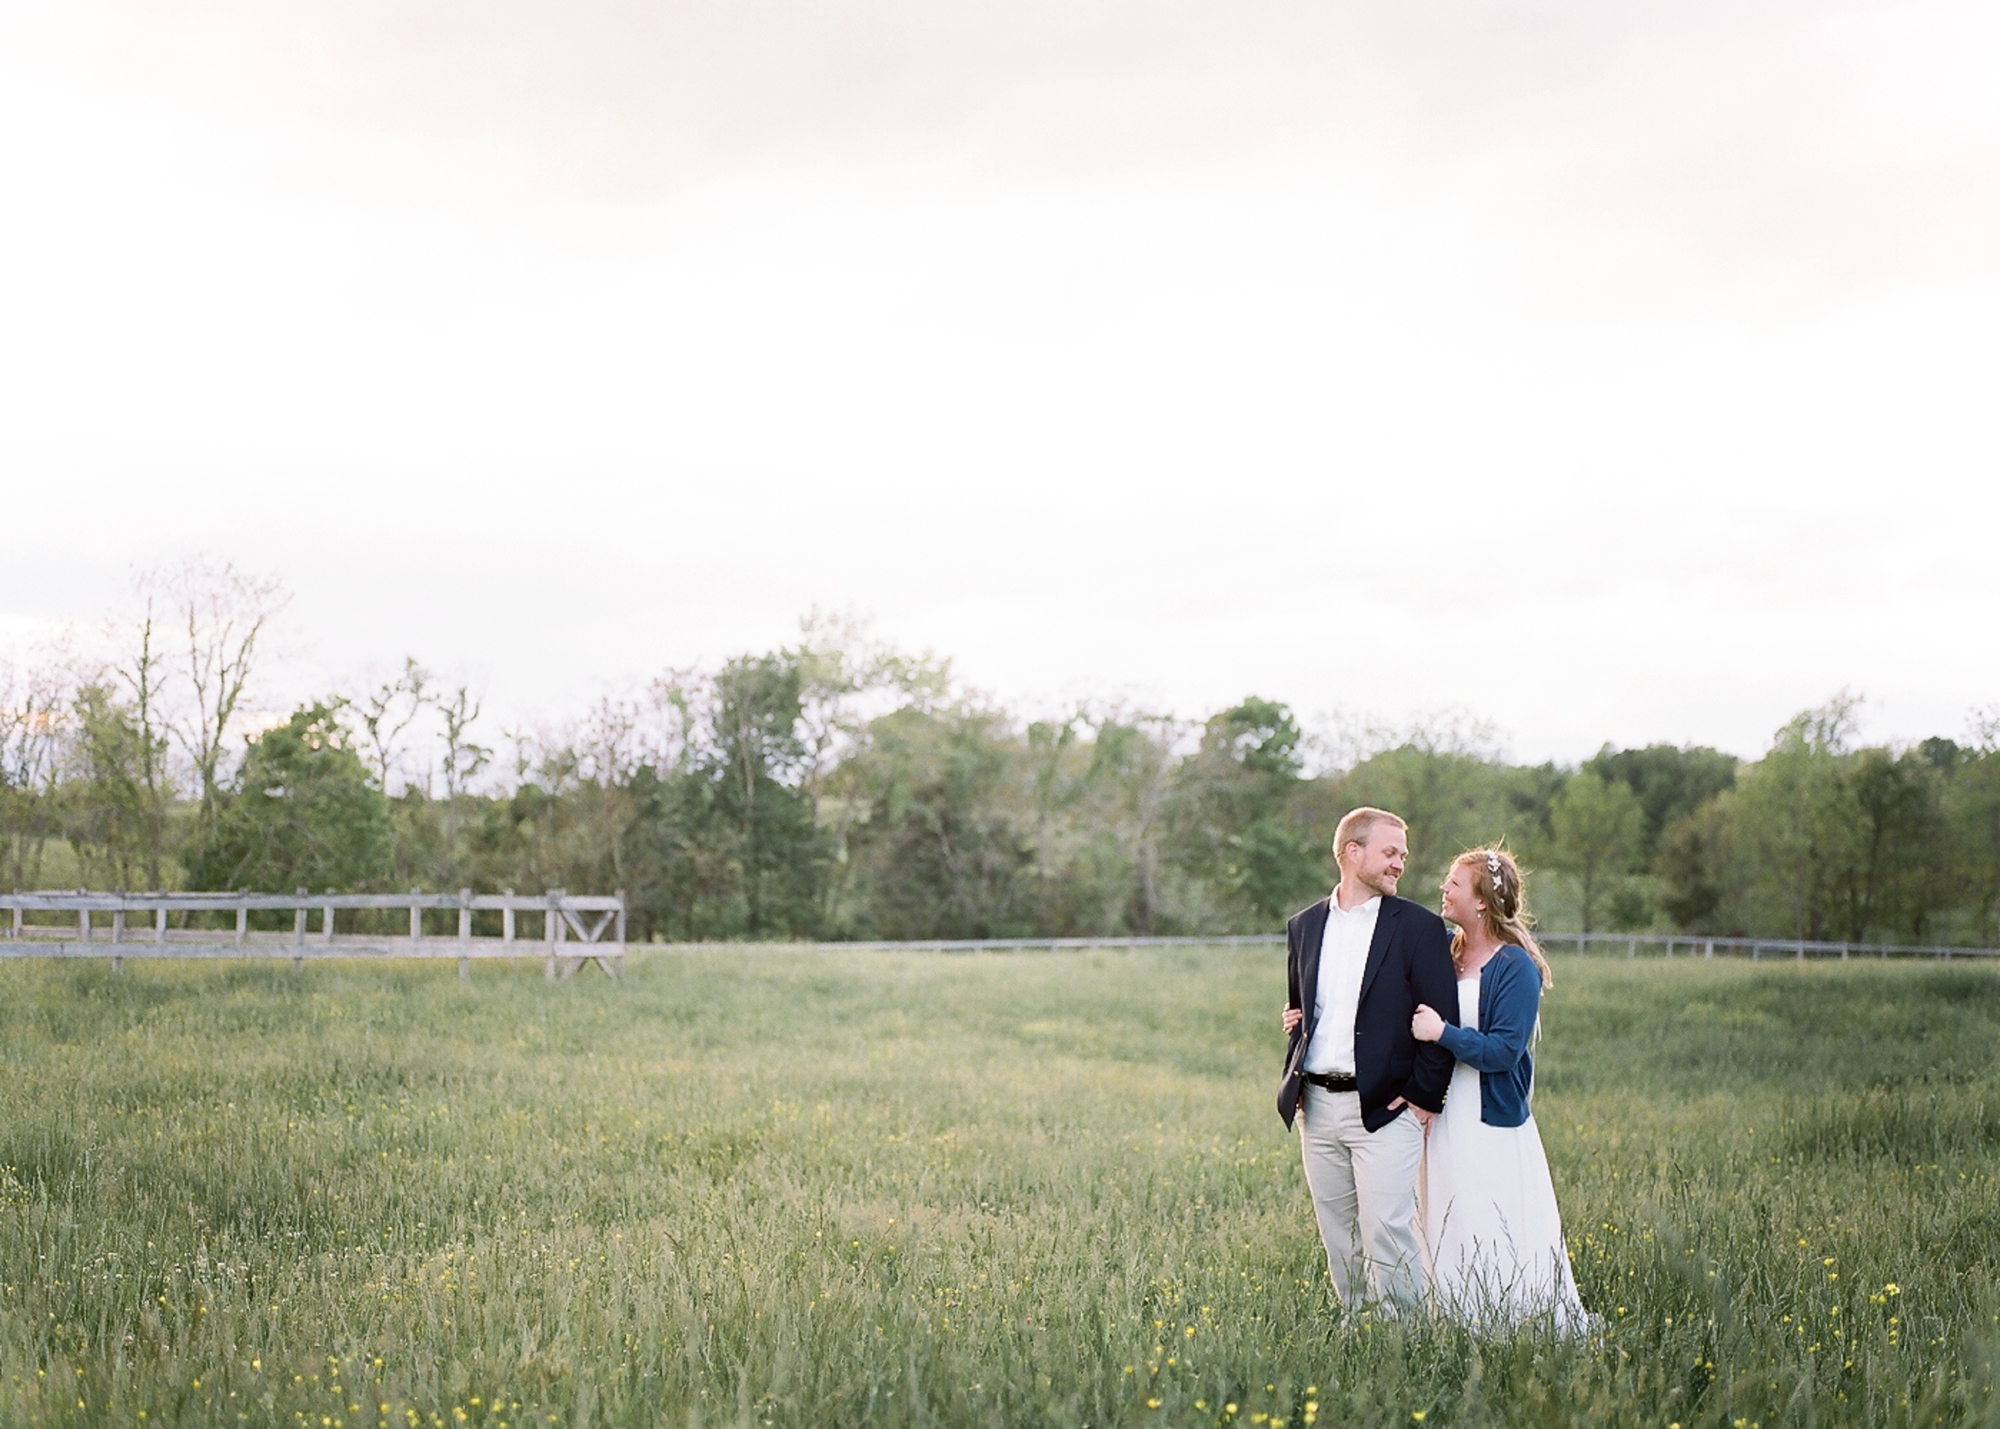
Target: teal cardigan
(1510, 999)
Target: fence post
(83, 923)
(17, 923)
(551, 920)
(507, 917)
(326, 920)
(464, 934)
(416, 916)
(117, 928)
(1708, 948)
(299, 918)
(242, 917)
(160, 924)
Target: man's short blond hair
(1359, 826)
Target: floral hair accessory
(1492, 865)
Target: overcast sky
(1613, 372)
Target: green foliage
(1694, 860)
(1276, 870)
(682, 883)
(1235, 819)
(1453, 796)
(1005, 1193)
(757, 762)
(936, 848)
(304, 811)
(31, 771)
(113, 819)
(835, 788)
(1821, 839)
(1597, 825)
(1973, 809)
(1797, 819)
(1671, 782)
(1631, 908)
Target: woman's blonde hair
(1497, 882)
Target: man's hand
(1424, 1118)
(1293, 1017)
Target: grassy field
(843, 1188)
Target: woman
(1490, 1217)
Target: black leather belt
(1330, 1081)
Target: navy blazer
(1510, 999)
(1409, 961)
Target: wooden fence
(572, 929)
(1652, 945)
(1685, 945)
(569, 931)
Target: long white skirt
(1491, 1226)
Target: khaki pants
(1364, 1190)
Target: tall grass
(846, 1188)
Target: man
(1357, 965)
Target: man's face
(1378, 864)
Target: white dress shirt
(1343, 957)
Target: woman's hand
(1293, 1017)
(1426, 1025)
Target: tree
(387, 712)
(304, 811)
(1118, 825)
(1974, 810)
(1234, 825)
(144, 676)
(1899, 800)
(1444, 777)
(1694, 861)
(33, 719)
(944, 850)
(463, 759)
(1670, 781)
(1597, 825)
(1276, 871)
(759, 760)
(111, 814)
(223, 614)
(1798, 820)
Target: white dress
(1491, 1225)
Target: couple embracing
(1409, 1070)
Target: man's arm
(1433, 981)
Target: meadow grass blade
(829, 1187)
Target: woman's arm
(1516, 998)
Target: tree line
(838, 788)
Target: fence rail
(573, 927)
(1755, 949)
(1594, 944)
